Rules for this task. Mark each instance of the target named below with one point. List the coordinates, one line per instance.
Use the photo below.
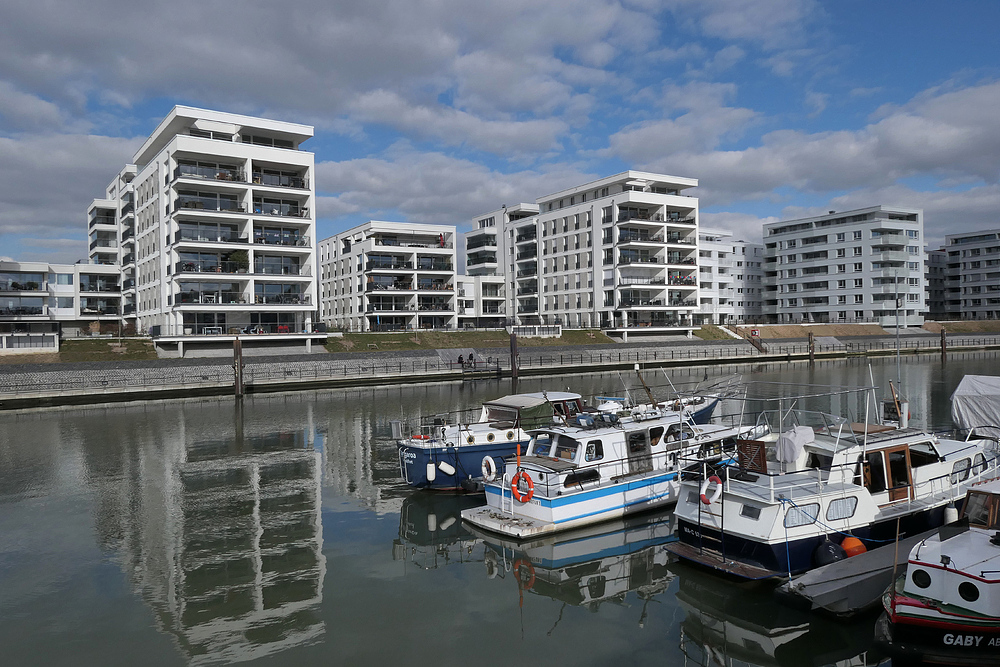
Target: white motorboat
(595, 468)
(817, 487)
(946, 605)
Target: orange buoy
(852, 546)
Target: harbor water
(277, 531)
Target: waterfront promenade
(37, 385)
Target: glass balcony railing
(203, 203)
(282, 299)
(280, 180)
(218, 173)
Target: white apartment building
(972, 275)
(848, 266)
(42, 302)
(619, 253)
(389, 276)
(213, 226)
(730, 278)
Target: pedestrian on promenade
(461, 361)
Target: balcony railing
(196, 203)
(640, 260)
(15, 286)
(211, 173)
(102, 220)
(389, 266)
(99, 287)
(433, 266)
(98, 310)
(127, 209)
(22, 310)
(282, 299)
(487, 242)
(388, 307)
(435, 307)
(280, 180)
(527, 254)
(190, 298)
(524, 291)
(438, 287)
(190, 237)
(103, 243)
(481, 259)
(397, 286)
(412, 243)
(526, 273)
(524, 238)
(283, 210)
(210, 266)
(631, 303)
(264, 269)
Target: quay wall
(29, 386)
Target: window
(841, 252)
(801, 515)
(858, 251)
(542, 444)
(750, 512)
(859, 283)
(857, 235)
(840, 236)
(64, 278)
(841, 508)
(841, 284)
(842, 298)
(960, 471)
(842, 268)
(859, 298)
(859, 314)
(913, 233)
(858, 267)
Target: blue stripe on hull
(800, 552)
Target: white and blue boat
(595, 468)
(442, 456)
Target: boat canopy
(976, 404)
(528, 410)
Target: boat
(945, 607)
(594, 468)
(439, 455)
(590, 566)
(815, 487)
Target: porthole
(921, 579)
(490, 437)
(510, 435)
(471, 440)
(968, 591)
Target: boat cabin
(982, 506)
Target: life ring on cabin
(489, 468)
(421, 437)
(515, 483)
(525, 572)
(715, 494)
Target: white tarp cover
(790, 443)
(976, 403)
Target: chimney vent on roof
(832, 212)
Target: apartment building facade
(619, 253)
(389, 276)
(971, 275)
(730, 278)
(213, 226)
(42, 302)
(865, 265)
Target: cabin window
(654, 436)
(978, 509)
(692, 497)
(637, 442)
(566, 449)
(581, 477)
(899, 470)
(979, 464)
(595, 450)
(921, 457)
(960, 471)
(874, 472)
(801, 515)
(750, 512)
(821, 461)
(541, 444)
(841, 508)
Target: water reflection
(727, 622)
(588, 568)
(230, 552)
(431, 533)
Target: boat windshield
(981, 509)
(541, 445)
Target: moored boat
(440, 455)
(595, 468)
(946, 605)
(814, 480)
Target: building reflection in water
(237, 572)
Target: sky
(439, 110)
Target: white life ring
(489, 468)
(715, 494)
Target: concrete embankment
(23, 386)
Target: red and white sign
(755, 333)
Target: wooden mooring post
(812, 347)
(944, 345)
(238, 367)
(513, 362)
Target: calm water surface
(198, 532)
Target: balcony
(280, 180)
(104, 243)
(102, 220)
(204, 203)
(388, 306)
(282, 299)
(412, 242)
(210, 266)
(634, 303)
(527, 291)
(633, 236)
(893, 256)
(189, 237)
(423, 264)
(127, 209)
(476, 260)
(626, 260)
(528, 253)
(99, 287)
(482, 242)
(214, 298)
(280, 270)
(524, 238)
(220, 173)
(527, 273)
(15, 311)
(285, 210)
(393, 286)
(676, 238)
(15, 286)
(635, 280)
(389, 266)
(890, 239)
(128, 259)
(434, 286)
(435, 307)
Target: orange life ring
(421, 437)
(516, 492)
(715, 494)
(523, 566)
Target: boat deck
(518, 528)
(713, 559)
